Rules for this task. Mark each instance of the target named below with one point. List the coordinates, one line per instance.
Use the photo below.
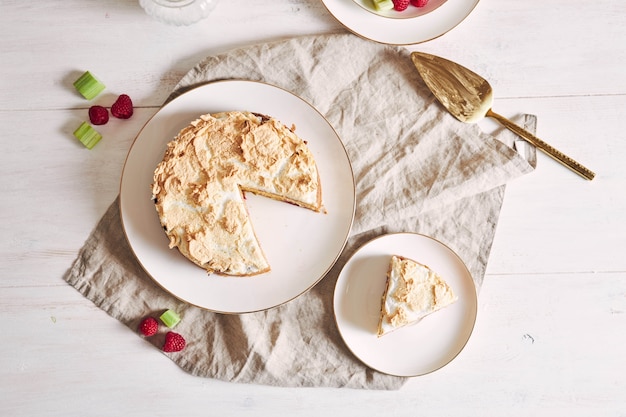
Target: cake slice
(413, 291)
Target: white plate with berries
(419, 22)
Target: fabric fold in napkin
(416, 168)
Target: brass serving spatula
(469, 97)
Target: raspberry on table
(98, 115)
(149, 326)
(174, 342)
(123, 107)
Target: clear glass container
(178, 12)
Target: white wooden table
(551, 332)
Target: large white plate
(400, 31)
(301, 245)
(413, 350)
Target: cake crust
(199, 186)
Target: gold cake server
(469, 97)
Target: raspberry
(98, 115)
(173, 342)
(149, 326)
(419, 3)
(400, 5)
(123, 107)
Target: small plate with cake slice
(237, 196)
(405, 304)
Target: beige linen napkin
(416, 169)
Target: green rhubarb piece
(170, 318)
(87, 135)
(88, 85)
(383, 5)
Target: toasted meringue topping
(198, 186)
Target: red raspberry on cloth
(123, 107)
(174, 342)
(98, 115)
(149, 326)
(400, 5)
(419, 3)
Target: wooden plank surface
(551, 332)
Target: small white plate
(301, 245)
(419, 26)
(416, 349)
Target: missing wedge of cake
(198, 187)
(412, 292)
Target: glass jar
(178, 12)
